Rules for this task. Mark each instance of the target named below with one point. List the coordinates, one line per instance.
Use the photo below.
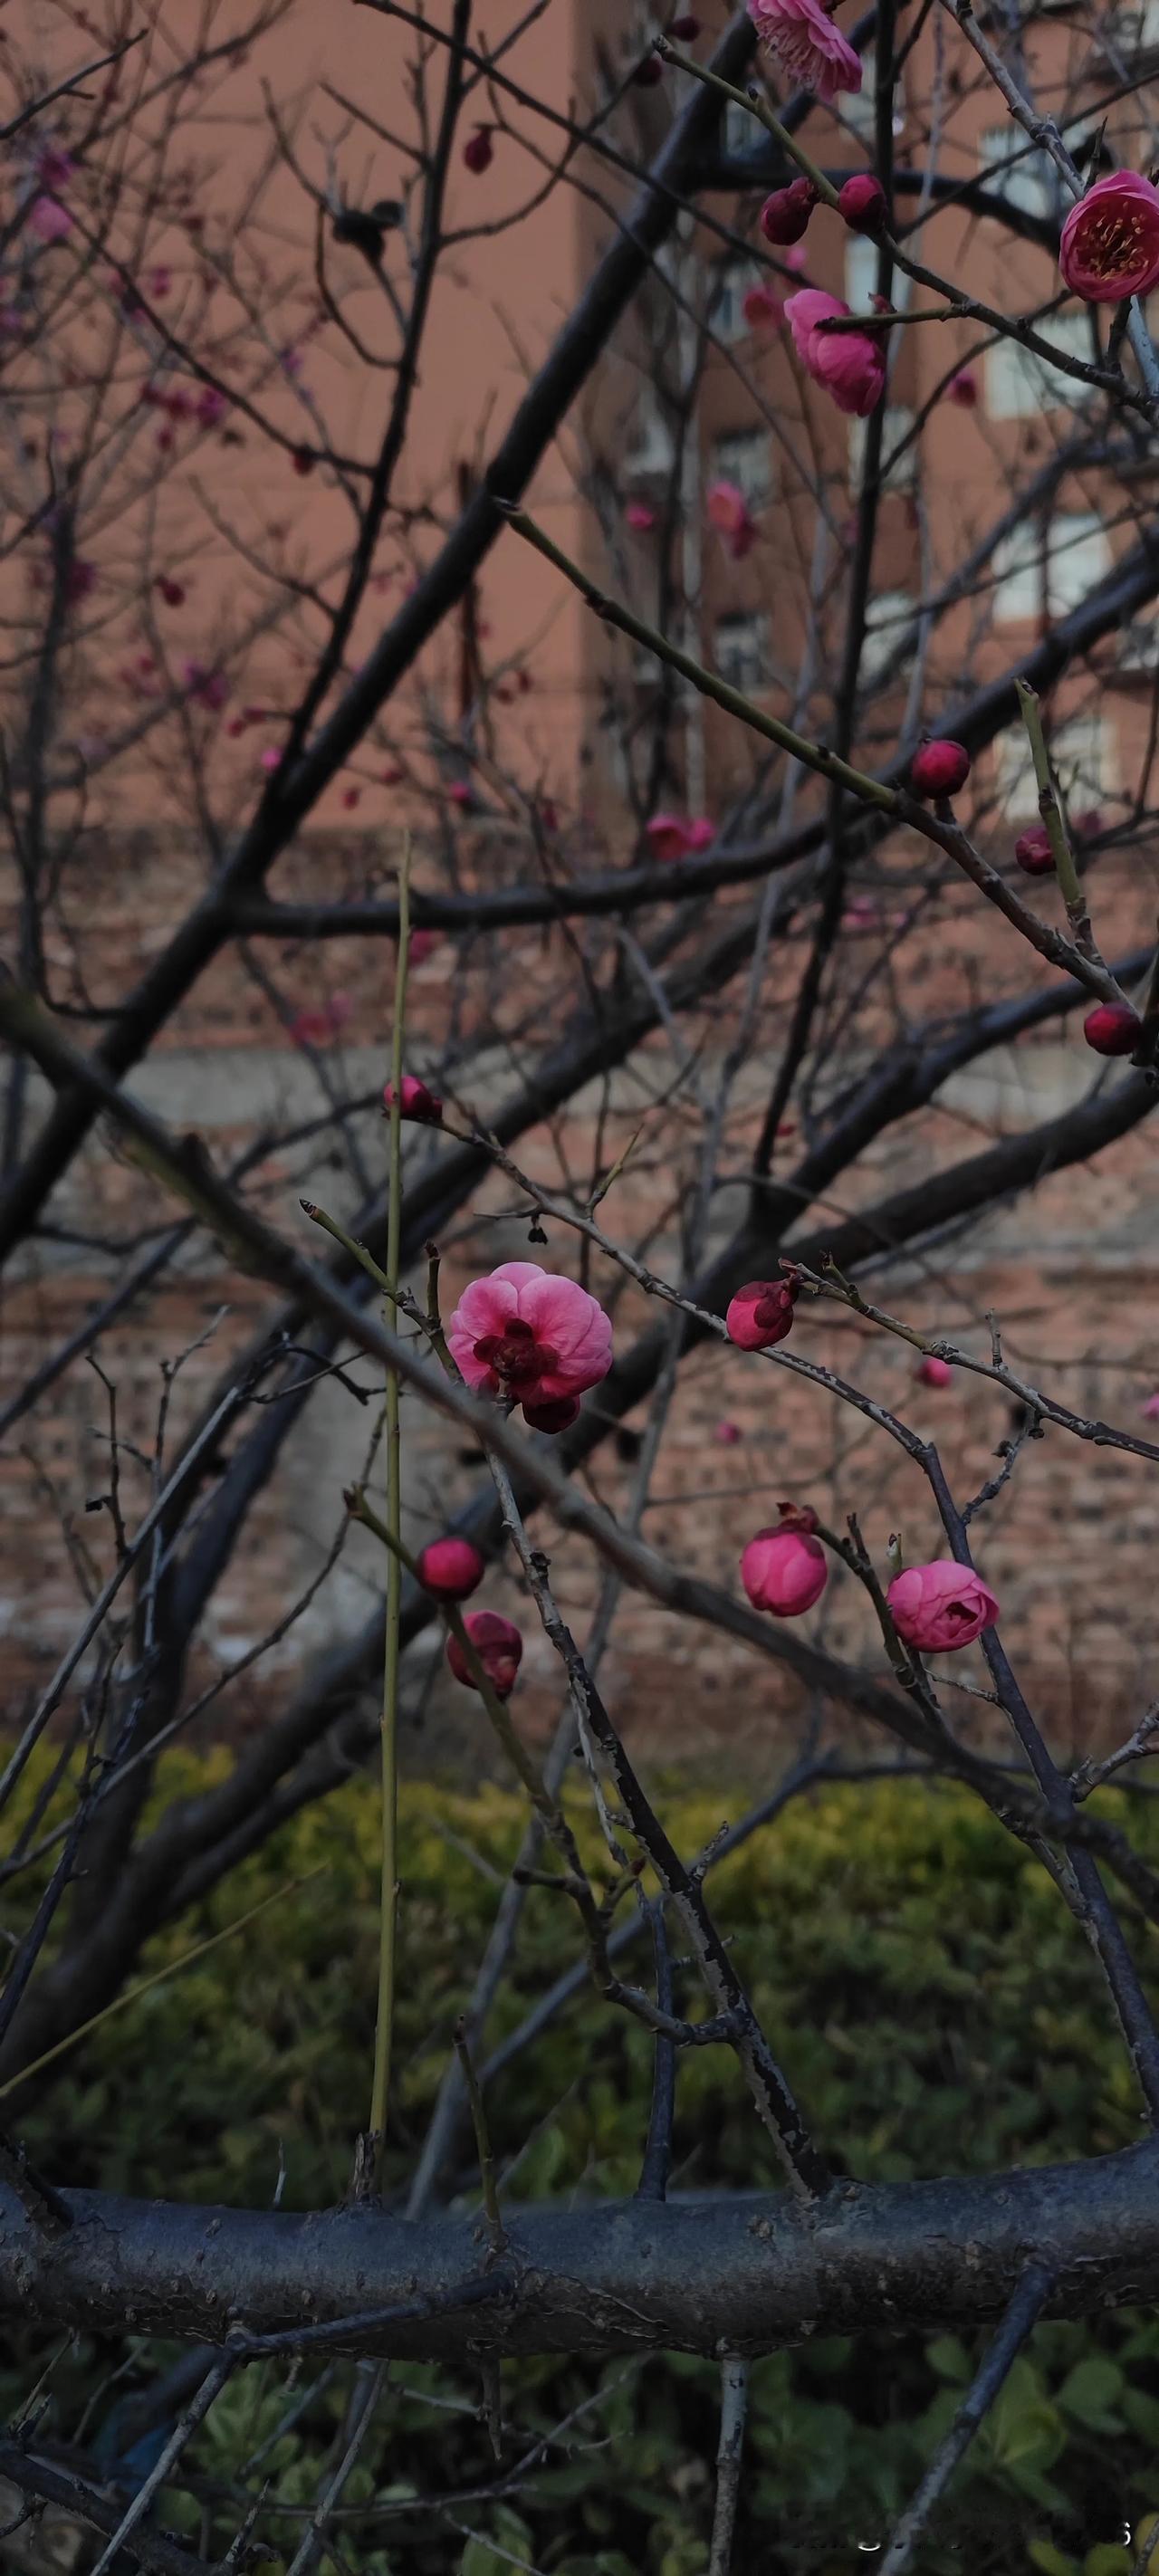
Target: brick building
(559, 768)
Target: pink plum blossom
(526, 1333)
(784, 1571)
(1110, 240)
(667, 836)
(728, 512)
(849, 364)
(942, 1606)
(812, 51)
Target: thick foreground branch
(749, 2274)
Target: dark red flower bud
(171, 591)
(451, 1568)
(1113, 1029)
(785, 215)
(940, 769)
(862, 203)
(478, 153)
(1033, 853)
(553, 1417)
(685, 29)
(498, 1645)
(648, 72)
(303, 460)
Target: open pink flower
(849, 364)
(812, 50)
(525, 1333)
(1110, 240)
(728, 512)
(942, 1606)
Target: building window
(860, 271)
(900, 471)
(652, 449)
(1019, 385)
(1043, 572)
(1131, 30)
(860, 113)
(889, 616)
(1018, 170)
(1082, 756)
(744, 457)
(733, 280)
(741, 650)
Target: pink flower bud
(760, 1314)
(478, 152)
(785, 215)
(940, 769)
(451, 1568)
(1149, 1412)
(762, 309)
(351, 796)
(49, 220)
(1113, 1028)
(171, 591)
(1110, 240)
(728, 512)
(498, 1645)
(934, 1372)
(700, 833)
(423, 944)
(862, 203)
(417, 1102)
(552, 1417)
(942, 1606)
(303, 460)
(685, 29)
(727, 1435)
(667, 836)
(641, 515)
(784, 1571)
(1089, 825)
(648, 72)
(963, 389)
(1033, 853)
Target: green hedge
(936, 2009)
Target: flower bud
(498, 1645)
(558, 1416)
(760, 1314)
(940, 769)
(451, 1568)
(939, 1607)
(478, 152)
(784, 1571)
(685, 29)
(417, 1102)
(1033, 853)
(799, 1516)
(861, 202)
(785, 215)
(933, 1371)
(963, 389)
(648, 72)
(1113, 1028)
